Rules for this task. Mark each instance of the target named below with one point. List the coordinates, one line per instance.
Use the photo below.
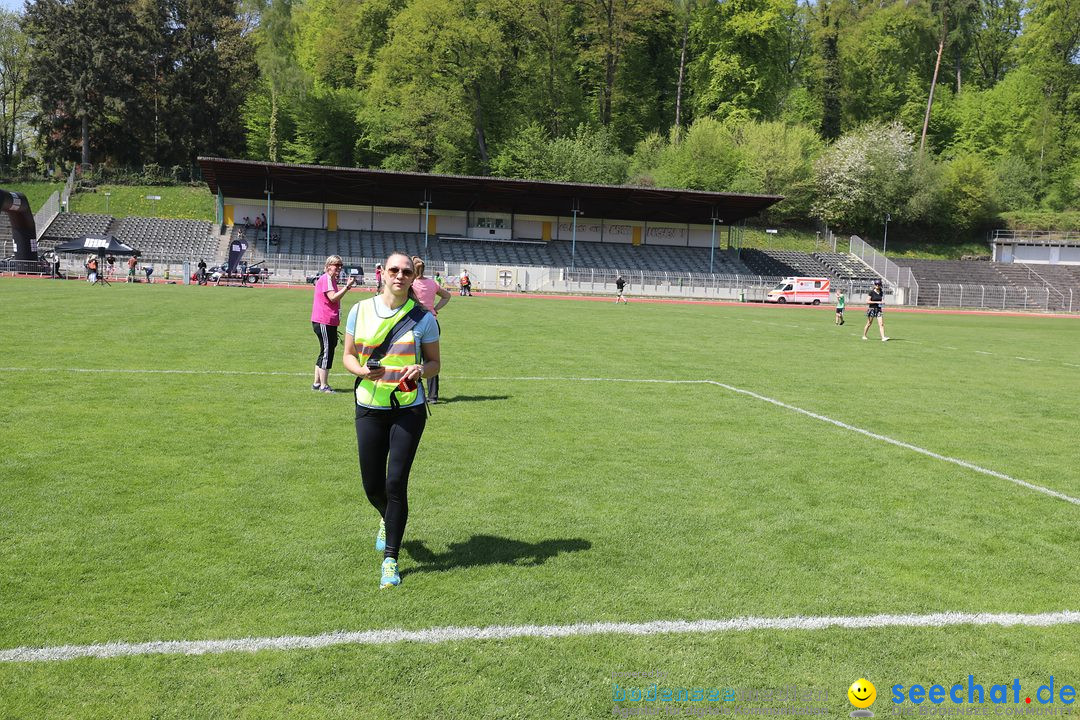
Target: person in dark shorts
(620, 284)
(325, 318)
(841, 302)
(874, 310)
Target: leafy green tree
(779, 159)
(1001, 120)
(326, 130)
(588, 155)
(864, 175)
(748, 56)
(212, 66)
(880, 55)
(953, 17)
(993, 46)
(87, 61)
(436, 86)
(283, 78)
(1016, 181)
(969, 192)
(608, 29)
(646, 157)
(828, 17)
(14, 66)
(705, 159)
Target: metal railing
(900, 277)
(1036, 237)
(47, 213)
(999, 297)
(1046, 283)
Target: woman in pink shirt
(325, 318)
(426, 291)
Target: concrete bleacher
(318, 243)
(167, 237)
(846, 267)
(161, 238)
(785, 262)
(375, 245)
(1018, 285)
(68, 226)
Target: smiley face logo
(862, 693)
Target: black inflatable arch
(23, 231)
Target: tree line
(941, 113)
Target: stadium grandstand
(361, 214)
(996, 285)
(535, 235)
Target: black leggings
(327, 335)
(386, 441)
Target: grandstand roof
(358, 186)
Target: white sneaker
(865, 338)
(884, 339)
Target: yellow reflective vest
(370, 332)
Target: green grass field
(37, 193)
(192, 202)
(221, 500)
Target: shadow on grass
(348, 391)
(472, 398)
(488, 550)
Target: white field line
(731, 388)
(816, 416)
(507, 632)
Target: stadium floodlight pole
(712, 240)
(573, 233)
(269, 193)
(427, 214)
(885, 242)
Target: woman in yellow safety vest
(391, 343)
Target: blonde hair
(333, 260)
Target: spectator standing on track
(378, 278)
(132, 262)
(110, 262)
(91, 269)
(466, 283)
(620, 283)
(202, 271)
(426, 291)
(874, 310)
(391, 344)
(325, 319)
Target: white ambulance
(813, 290)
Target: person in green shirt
(840, 301)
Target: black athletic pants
(327, 335)
(386, 441)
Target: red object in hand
(406, 385)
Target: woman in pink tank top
(426, 291)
